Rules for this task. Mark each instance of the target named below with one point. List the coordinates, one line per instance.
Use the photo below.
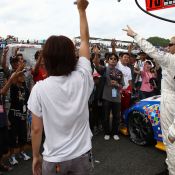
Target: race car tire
(140, 129)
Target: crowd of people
(128, 77)
(16, 84)
(117, 79)
(79, 94)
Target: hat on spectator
(150, 62)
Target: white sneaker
(13, 161)
(24, 156)
(116, 137)
(107, 137)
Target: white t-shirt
(126, 71)
(62, 103)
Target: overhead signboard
(159, 4)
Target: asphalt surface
(115, 158)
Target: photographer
(148, 85)
(113, 83)
(19, 94)
(4, 122)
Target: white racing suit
(167, 104)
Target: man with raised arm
(60, 105)
(167, 106)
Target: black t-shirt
(19, 97)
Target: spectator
(28, 76)
(4, 147)
(39, 71)
(17, 116)
(147, 87)
(127, 88)
(139, 67)
(95, 107)
(15, 61)
(113, 82)
(95, 103)
(123, 67)
(60, 105)
(20, 57)
(132, 62)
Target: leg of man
(167, 111)
(116, 108)
(106, 105)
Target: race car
(143, 122)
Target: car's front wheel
(140, 129)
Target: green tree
(157, 41)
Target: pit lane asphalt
(115, 158)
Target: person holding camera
(19, 94)
(39, 71)
(4, 121)
(167, 104)
(59, 104)
(113, 81)
(148, 84)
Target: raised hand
(16, 50)
(96, 50)
(84, 29)
(129, 31)
(82, 4)
(113, 43)
(130, 47)
(18, 72)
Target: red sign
(159, 4)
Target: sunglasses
(171, 44)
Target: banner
(159, 4)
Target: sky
(38, 19)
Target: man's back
(62, 103)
